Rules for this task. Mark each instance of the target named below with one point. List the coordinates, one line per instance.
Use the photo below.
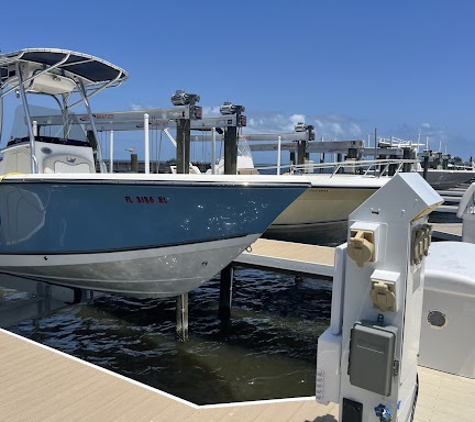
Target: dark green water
(266, 351)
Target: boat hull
(447, 179)
(154, 237)
(157, 272)
(320, 215)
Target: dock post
(407, 154)
(134, 163)
(301, 154)
(230, 150)
(225, 293)
(182, 317)
(182, 146)
(43, 290)
(425, 166)
(183, 127)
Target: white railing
(378, 167)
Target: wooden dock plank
(252, 412)
(305, 409)
(294, 251)
(72, 389)
(54, 387)
(296, 258)
(444, 397)
(313, 260)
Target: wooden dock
(40, 384)
(313, 260)
(296, 258)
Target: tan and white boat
(321, 213)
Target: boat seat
(247, 171)
(62, 163)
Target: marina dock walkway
(314, 260)
(296, 258)
(40, 384)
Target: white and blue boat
(149, 235)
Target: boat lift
(185, 110)
(301, 142)
(228, 123)
(367, 359)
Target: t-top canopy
(89, 69)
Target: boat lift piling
(183, 127)
(231, 136)
(182, 317)
(182, 146)
(230, 150)
(425, 166)
(225, 293)
(230, 167)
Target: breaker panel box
(372, 357)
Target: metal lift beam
(128, 120)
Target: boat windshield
(50, 125)
(244, 148)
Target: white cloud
(329, 126)
(135, 107)
(336, 127)
(297, 118)
(211, 111)
(355, 130)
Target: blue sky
(347, 67)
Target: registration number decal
(146, 200)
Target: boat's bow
(135, 234)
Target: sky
(405, 68)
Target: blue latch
(383, 413)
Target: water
(267, 351)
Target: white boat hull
(320, 214)
(447, 179)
